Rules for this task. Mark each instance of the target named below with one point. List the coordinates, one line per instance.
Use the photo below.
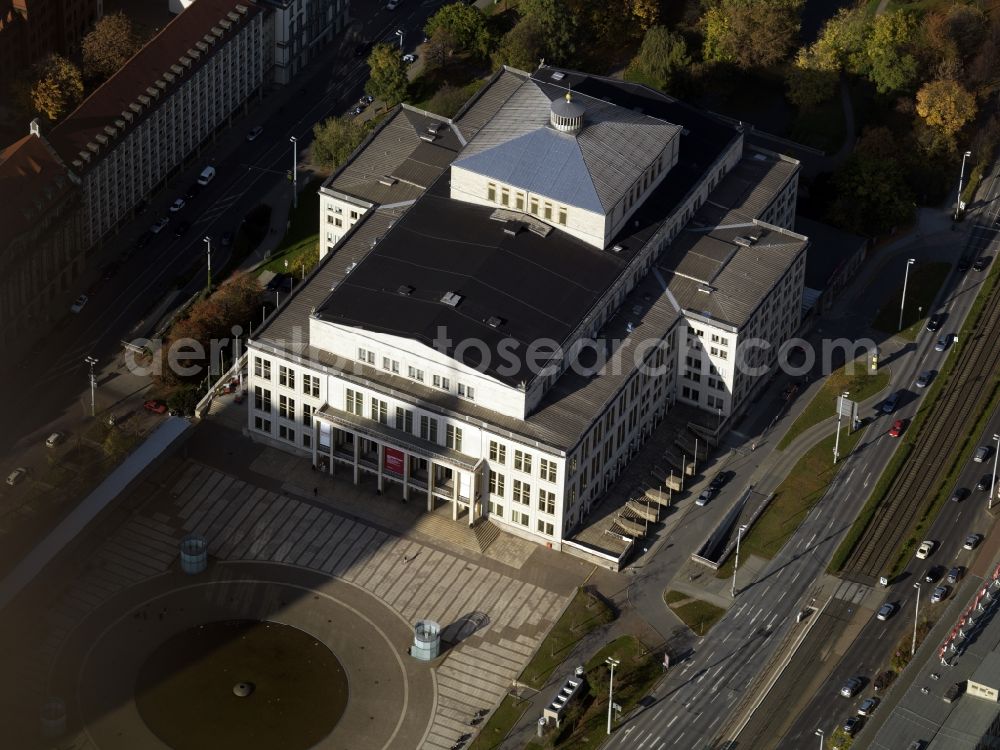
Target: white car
(17, 476)
(254, 132)
(409, 58)
(160, 225)
(926, 547)
(392, 5)
(940, 594)
(78, 303)
(972, 541)
(177, 205)
(54, 439)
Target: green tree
(888, 58)
(558, 25)
(945, 107)
(646, 12)
(388, 80)
(841, 42)
(750, 33)
(57, 87)
(335, 140)
(522, 47)
(807, 82)
(464, 26)
(662, 57)
(108, 46)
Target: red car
(156, 406)
(897, 428)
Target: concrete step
(486, 533)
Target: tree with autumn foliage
(57, 87)
(108, 46)
(945, 107)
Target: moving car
(886, 611)
(853, 725)
(159, 225)
(78, 303)
(981, 263)
(943, 342)
(706, 495)
(889, 405)
(934, 573)
(17, 476)
(926, 547)
(982, 453)
(934, 322)
(206, 176)
(959, 494)
(955, 574)
(54, 439)
(984, 484)
(850, 688)
(254, 132)
(972, 541)
(897, 428)
(177, 205)
(924, 379)
(155, 405)
(868, 706)
(940, 594)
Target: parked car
(853, 725)
(924, 379)
(192, 191)
(392, 5)
(883, 679)
(934, 573)
(926, 547)
(939, 594)
(959, 494)
(17, 476)
(408, 59)
(367, 98)
(984, 484)
(943, 342)
(177, 205)
(850, 688)
(982, 453)
(886, 611)
(159, 225)
(182, 228)
(78, 304)
(254, 132)
(934, 322)
(981, 263)
(155, 405)
(719, 480)
(706, 495)
(955, 574)
(963, 265)
(897, 428)
(206, 176)
(54, 439)
(357, 110)
(889, 405)
(868, 706)
(972, 541)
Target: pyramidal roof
(590, 169)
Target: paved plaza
(280, 553)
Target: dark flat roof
(829, 249)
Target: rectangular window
(496, 509)
(262, 368)
(544, 527)
(467, 391)
(286, 407)
(548, 470)
(264, 425)
(286, 433)
(522, 461)
(519, 202)
(534, 206)
(441, 382)
(547, 502)
(491, 193)
(522, 492)
(453, 437)
(366, 356)
(504, 196)
(354, 403)
(307, 439)
(307, 415)
(380, 411)
(496, 483)
(416, 374)
(404, 419)
(429, 428)
(548, 212)
(390, 365)
(286, 376)
(562, 216)
(498, 452)
(261, 399)
(310, 385)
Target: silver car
(924, 379)
(17, 476)
(940, 594)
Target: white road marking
(782, 595)
(867, 479)
(671, 723)
(727, 636)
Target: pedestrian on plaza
(315, 491)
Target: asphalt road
(873, 646)
(54, 386)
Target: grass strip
(698, 615)
(503, 720)
(300, 245)
(854, 378)
(922, 288)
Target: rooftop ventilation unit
(705, 289)
(494, 322)
(558, 75)
(428, 137)
(511, 228)
(760, 157)
(451, 299)
(387, 180)
(405, 290)
(351, 267)
(433, 128)
(617, 249)
(744, 241)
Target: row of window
(441, 382)
(354, 403)
(545, 209)
(518, 517)
(286, 377)
(522, 461)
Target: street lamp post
(906, 278)
(93, 385)
(916, 619)
(399, 33)
(736, 563)
(208, 250)
(819, 733)
(295, 171)
(840, 414)
(993, 479)
(611, 687)
(961, 179)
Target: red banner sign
(393, 460)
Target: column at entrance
(430, 485)
(315, 443)
(357, 458)
(456, 479)
(406, 476)
(380, 456)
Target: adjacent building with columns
(522, 292)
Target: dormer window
(491, 193)
(562, 215)
(505, 196)
(519, 205)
